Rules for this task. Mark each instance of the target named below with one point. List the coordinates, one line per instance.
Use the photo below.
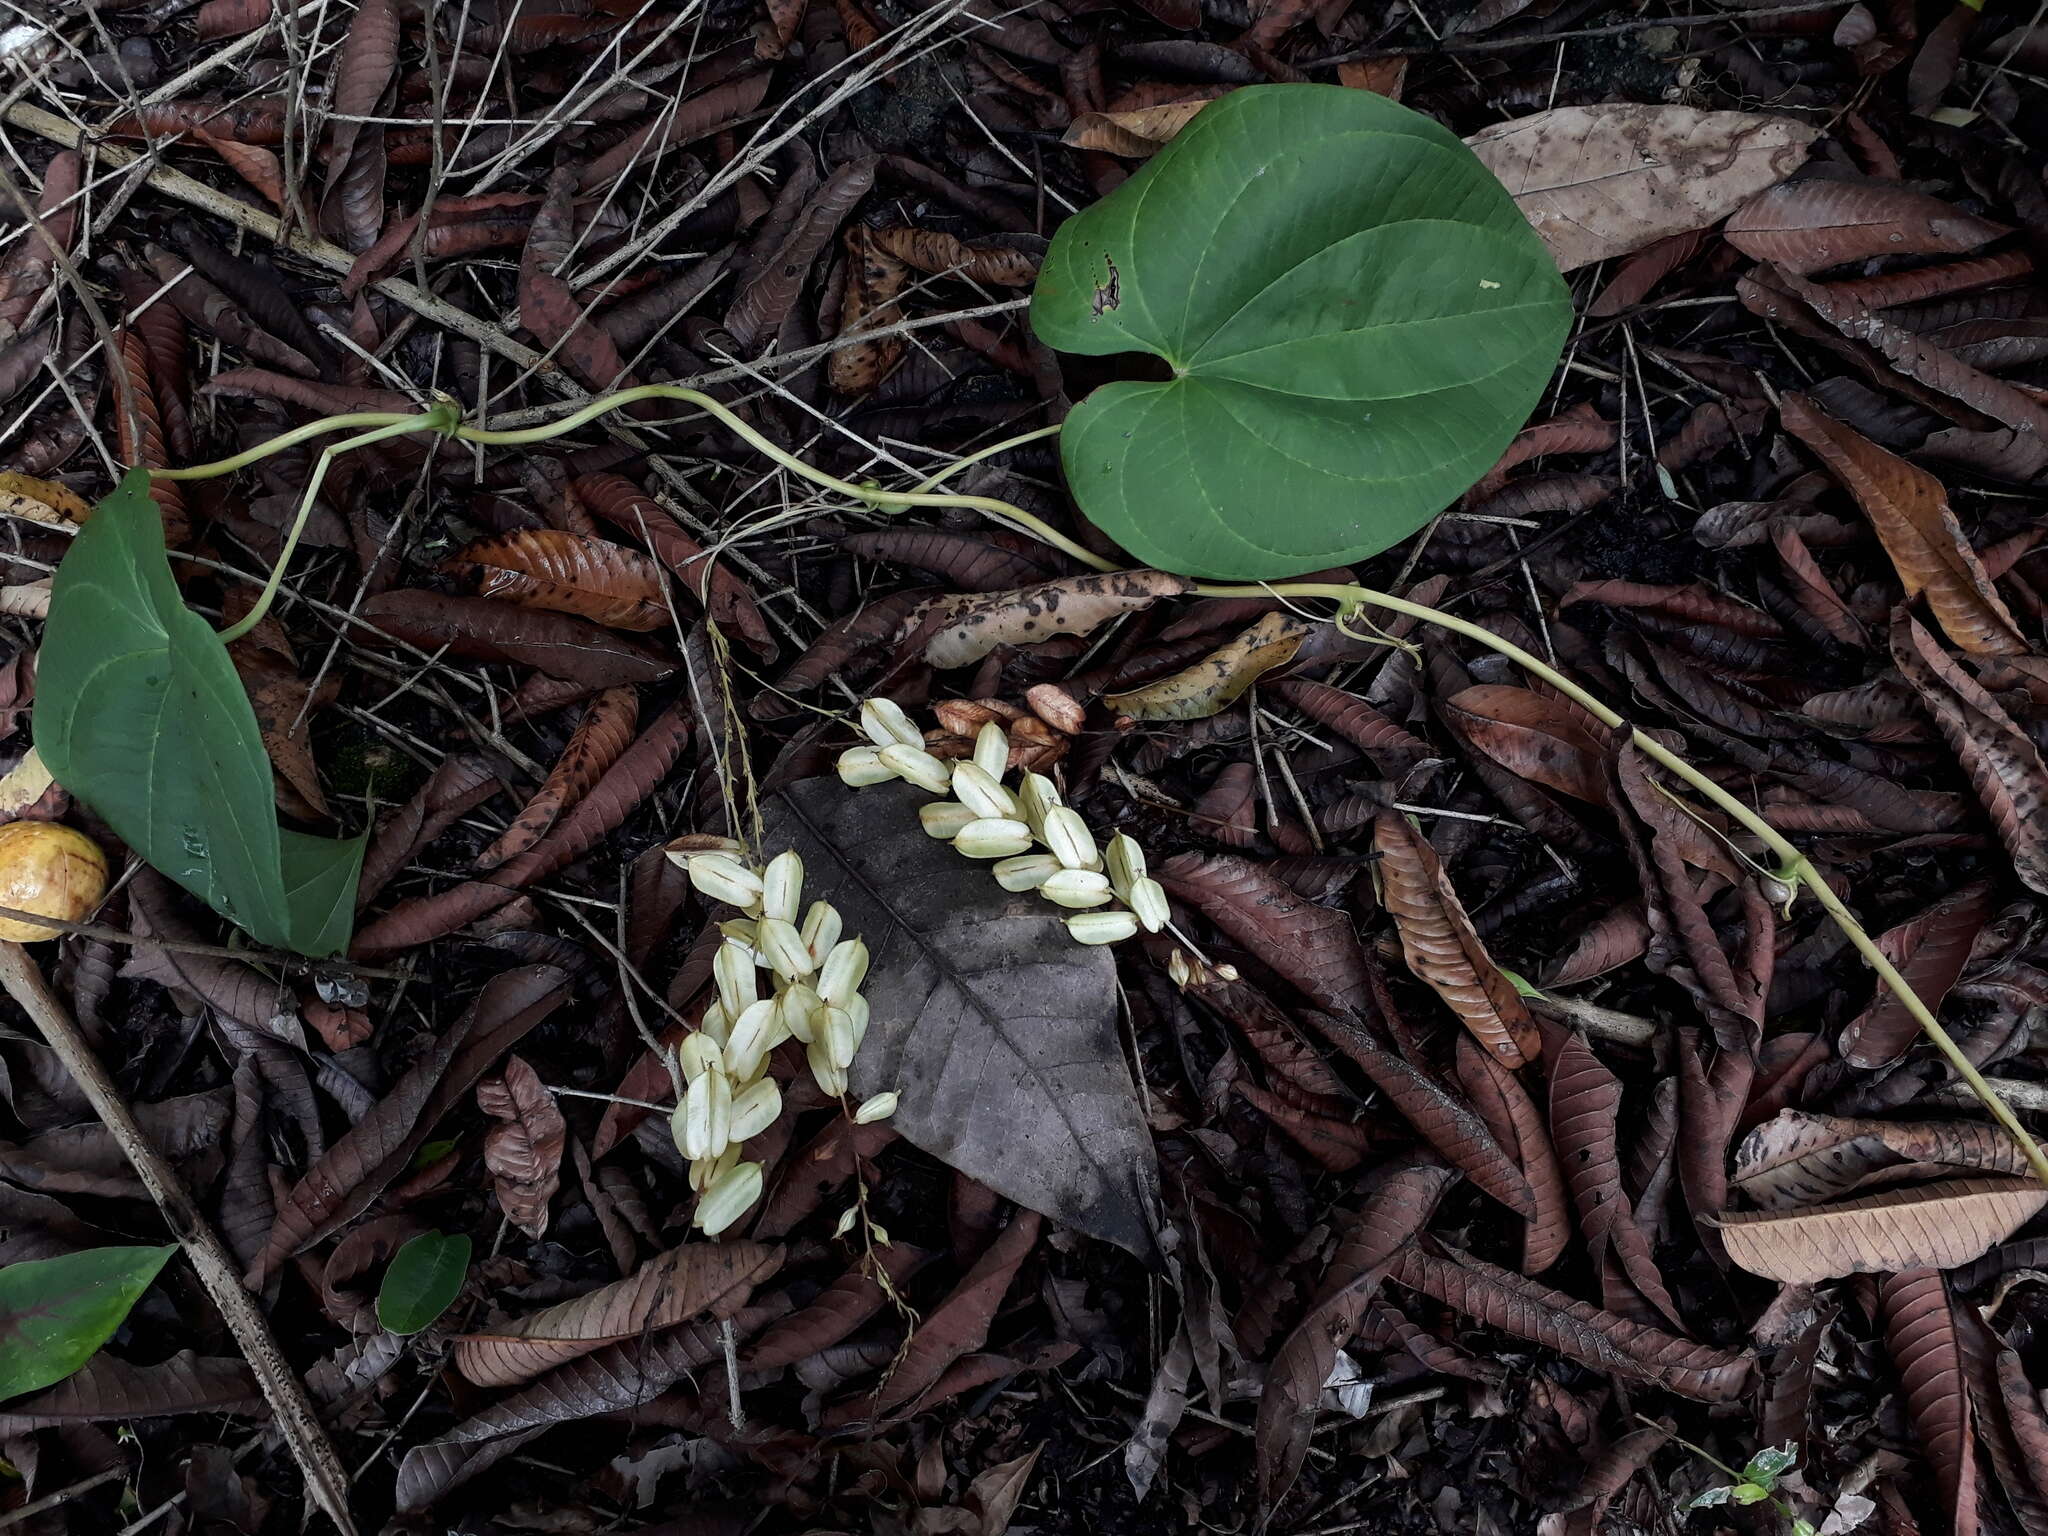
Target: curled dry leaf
(1397, 1209)
(1516, 1124)
(1072, 605)
(1910, 510)
(873, 280)
(1803, 226)
(1799, 1159)
(1601, 181)
(1926, 1345)
(1535, 735)
(1219, 679)
(1138, 132)
(930, 250)
(1312, 947)
(572, 573)
(726, 598)
(2002, 761)
(1441, 948)
(965, 562)
(524, 1152)
(1938, 1226)
(572, 649)
(601, 736)
(1930, 949)
(1393, 751)
(698, 1277)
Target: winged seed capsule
(861, 766)
(976, 789)
(991, 750)
(887, 726)
(943, 819)
(1067, 835)
(698, 1054)
(731, 1195)
(1148, 903)
(784, 948)
(706, 1171)
(845, 968)
(830, 1079)
(733, 969)
(782, 886)
(920, 767)
(1035, 797)
(705, 1115)
(1026, 871)
(755, 1108)
(1125, 861)
(799, 1005)
(880, 1107)
(1101, 927)
(757, 1032)
(724, 879)
(1076, 888)
(993, 838)
(821, 929)
(838, 1038)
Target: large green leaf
(1357, 317)
(139, 712)
(55, 1312)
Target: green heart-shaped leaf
(1357, 316)
(139, 712)
(55, 1312)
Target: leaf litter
(1213, 1190)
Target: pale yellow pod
(1125, 861)
(831, 1079)
(1035, 796)
(715, 1025)
(857, 1011)
(992, 749)
(799, 1004)
(880, 1107)
(1076, 888)
(861, 766)
(1149, 903)
(705, 1171)
(695, 1114)
(755, 1108)
(920, 767)
(845, 968)
(698, 1053)
(944, 819)
(887, 726)
(977, 789)
(731, 1195)
(725, 879)
(821, 929)
(1025, 871)
(737, 978)
(754, 1034)
(993, 837)
(784, 948)
(782, 886)
(1101, 927)
(741, 930)
(1069, 839)
(838, 1038)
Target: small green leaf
(139, 712)
(55, 1312)
(1356, 315)
(1748, 1493)
(423, 1281)
(1771, 1463)
(433, 1152)
(1707, 1498)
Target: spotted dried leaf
(1936, 1226)
(1535, 735)
(1073, 605)
(1441, 947)
(1219, 679)
(940, 254)
(873, 280)
(1797, 1158)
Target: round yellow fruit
(50, 870)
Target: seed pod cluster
(811, 994)
(1037, 842)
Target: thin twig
(326, 1480)
(277, 958)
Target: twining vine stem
(1794, 868)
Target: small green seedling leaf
(139, 713)
(432, 1153)
(1707, 1498)
(423, 1281)
(1357, 319)
(1770, 1464)
(54, 1313)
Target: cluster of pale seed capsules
(986, 820)
(813, 998)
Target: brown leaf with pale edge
(105, 1389)
(1500, 1298)
(1442, 949)
(569, 648)
(1930, 949)
(1219, 679)
(698, 1277)
(836, 1311)
(2001, 760)
(956, 1326)
(966, 563)
(1937, 1226)
(1139, 131)
(1311, 947)
(1549, 740)
(726, 598)
(1072, 605)
(1450, 1125)
(601, 736)
(1392, 750)
(1920, 1331)
(931, 250)
(1597, 182)
(380, 1146)
(1517, 1125)
(1910, 511)
(614, 1379)
(1804, 226)
(1397, 1209)
(1585, 1107)
(524, 1153)
(1800, 1159)
(561, 572)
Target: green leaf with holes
(1356, 316)
(54, 1313)
(140, 713)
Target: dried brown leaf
(726, 598)
(932, 251)
(1219, 679)
(572, 573)
(107, 1389)
(1140, 131)
(959, 1324)
(1311, 947)
(1072, 605)
(1516, 1124)
(1803, 226)
(873, 280)
(547, 305)
(523, 1154)
(1920, 1331)
(1441, 948)
(1537, 736)
(1939, 1226)
(1930, 949)
(837, 1311)
(1800, 1159)
(600, 738)
(573, 649)
(1392, 750)
(965, 562)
